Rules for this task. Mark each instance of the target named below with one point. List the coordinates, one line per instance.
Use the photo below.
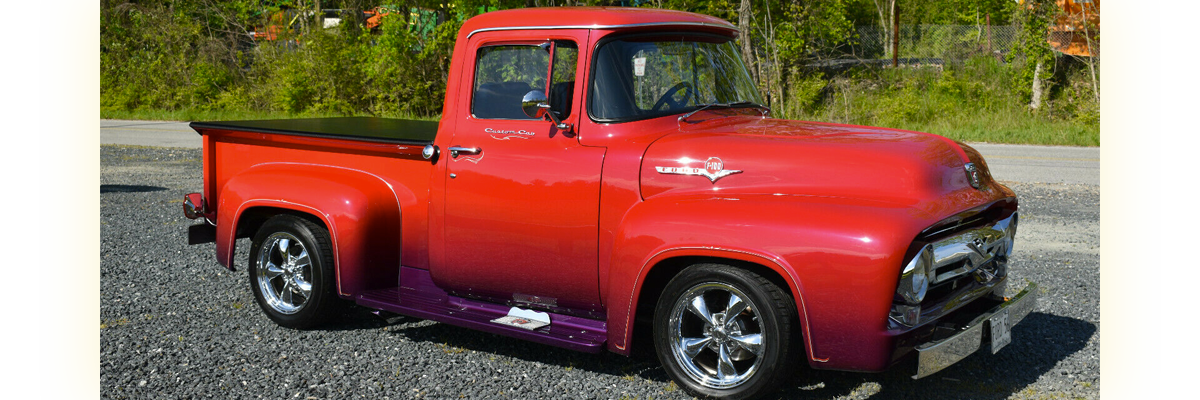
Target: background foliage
(196, 59)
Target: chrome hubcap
(720, 349)
(284, 273)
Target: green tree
(1032, 53)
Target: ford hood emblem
(713, 169)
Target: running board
(419, 297)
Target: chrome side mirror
(536, 105)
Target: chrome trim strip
(697, 172)
(935, 356)
(642, 25)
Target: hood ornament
(973, 175)
(713, 169)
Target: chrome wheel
(716, 335)
(291, 272)
(284, 273)
(726, 332)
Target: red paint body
(582, 217)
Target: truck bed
(371, 129)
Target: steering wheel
(669, 97)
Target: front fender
(360, 210)
(840, 258)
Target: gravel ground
(174, 324)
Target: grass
(188, 115)
(226, 115)
(968, 125)
(996, 126)
(973, 101)
(948, 116)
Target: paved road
(1014, 163)
(148, 133)
(1042, 164)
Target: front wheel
(291, 271)
(725, 332)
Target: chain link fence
(920, 44)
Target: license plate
(1001, 332)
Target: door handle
(456, 150)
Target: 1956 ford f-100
(601, 175)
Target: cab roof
(589, 18)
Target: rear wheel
(291, 271)
(725, 332)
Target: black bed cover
(371, 129)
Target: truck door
(522, 197)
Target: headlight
(914, 279)
(914, 282)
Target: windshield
(641, 77)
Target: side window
(562, 88)
(503, 74)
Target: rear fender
(360, 210)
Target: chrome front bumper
(937, 355)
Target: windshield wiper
(761, 107)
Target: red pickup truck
(602, 175)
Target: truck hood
(748, 155)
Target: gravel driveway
(174, 324)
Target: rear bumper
(939, 354)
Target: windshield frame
(683, 35)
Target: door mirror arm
(535, 105)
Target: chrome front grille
(983, 251)
(965, 259)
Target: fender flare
(772, 262)
(810, 242)
(360, 209)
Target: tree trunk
(776, 96)
(895, 36)
(1093, 54)
(744, 29)
(886, 11)
(320, 17)
(1035, 100)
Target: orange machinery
(1076, 30)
